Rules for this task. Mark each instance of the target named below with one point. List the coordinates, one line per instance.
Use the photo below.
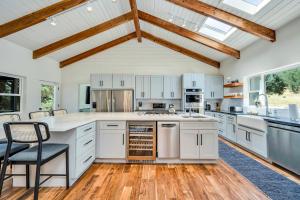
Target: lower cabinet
(111, 140)
(198, 144)
(231, 128)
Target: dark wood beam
(180, 49)
(97, 50)
(136, 21)
(226, 17)
(82, 35)
(37, 17)
(189, 34)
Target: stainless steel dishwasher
(168, 139)
(283, 146)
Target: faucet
(266, 104)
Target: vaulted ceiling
(42, 34)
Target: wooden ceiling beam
(97, 50)
(180, 49)
(226, 17)
(82, 35)
(189, 34)
(136, 21)
(37, 17)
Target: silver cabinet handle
(87, 159)
(112, 125)
(201, 140)
(249, 136)
(85, 130)
(123, 139)
(87, 142)
(197, 140)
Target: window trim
(21, 90)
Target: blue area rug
(274, 185)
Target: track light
(89, 7)
(53, 21)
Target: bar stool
(39, 114)
(32, 132)
(59, 112)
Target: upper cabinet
(157, 87)
(214, 87)
(172, 87)
(101, 81)
(142, 87)
(193, 80)
(123, 81)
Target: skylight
(216, 29)
(249, 6)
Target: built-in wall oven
(194, 100)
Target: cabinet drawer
(84, 161)
(198, 125)
(112, 125)
(88, 128)
(84, 143)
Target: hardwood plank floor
(146, 181)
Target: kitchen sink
(252, 121)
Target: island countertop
(74, 120)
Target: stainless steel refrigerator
(112, 100)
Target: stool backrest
(9, 118)
(26, 132)
(38, 114)
(59, 112)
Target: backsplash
(147, 104)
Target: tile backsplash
(147, 104)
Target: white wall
(264, 55)
(16, 60)
(130, 57)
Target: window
(48, 96)
(216, 29)
(10, 94)
(282, 87)
(248, 6)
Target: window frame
(20, 94)
(56, 103)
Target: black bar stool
(39, 114)
(32, 132)
(59, 112)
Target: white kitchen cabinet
(123, 81)
(193, 80)
(112, 144)
(101, 81)
(198, 143)
(208, 144)
(231, 128)
(189, 144)
(221, 123)
(172, 87)
(242, 138)
(157, 87)
(142, 87)
(213, 87)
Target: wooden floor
(146, 181)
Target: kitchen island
(101, 137)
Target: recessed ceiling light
(184, 24)
(114, 1)
(171, 19)
(89, 6)
(53, 21)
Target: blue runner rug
(274, 185)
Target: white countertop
(74, 120)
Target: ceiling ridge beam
(82, 35)
(37, 17)
(180, 49)
(136, 21)
(189, 34)
(226, 17)
(96, 50)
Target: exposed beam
(180, 49)
(189, 34)
(37, 17)
(82, 35)
(221, 15)
(136, 21)
(97, 50)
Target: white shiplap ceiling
(274, 15)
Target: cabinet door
(95, 81)
(198, 81)
(218, 90)
(139, 87)
(258, 142)
(128, 81)
(189, 144)
(147, 87)
(187, 81)
(112, 144)
(208, 140)
(208, 87)
(106, 81)
(157, 87)
(241, 138)
(117, 81)
(177, 86)
(168, 87)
